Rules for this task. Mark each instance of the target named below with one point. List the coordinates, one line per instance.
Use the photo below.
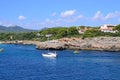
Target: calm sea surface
(24, 62)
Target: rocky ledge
(21, 42)
(97, 43)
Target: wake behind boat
(50, 54)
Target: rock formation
(97, 43)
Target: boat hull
(49, 55)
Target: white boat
(50, 54)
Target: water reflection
(49, 61)
(99, 60)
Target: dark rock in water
(76, 51)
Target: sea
(25, 62)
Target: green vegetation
(17, 36)
(117, 27)
(55, 33)
(59, 32)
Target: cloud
(1, 23)
(80, 16)
(68, 13)
(66, 18)
(47, 20)
(53, 14)
(70, 16)
(112, 15)
(97, 16)
(21, 17)
(60, 21)
(119, 20)
(72, 19)
(6, 23)
(63, 19)
(47, 23)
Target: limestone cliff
(97, 43)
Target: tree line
(58, 32)
(55, 33)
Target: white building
(108, 28)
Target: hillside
(14, 29)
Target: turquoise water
(24, 62)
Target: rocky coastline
(97, 43)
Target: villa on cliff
(108, 28)
(104, 28)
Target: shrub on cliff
(117, 27)
(91, 33)
(59, 32)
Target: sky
(39, 14)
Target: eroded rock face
(97, 43)
(106, 43)
(50, 45)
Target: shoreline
(96, 43)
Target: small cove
(24, 62)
